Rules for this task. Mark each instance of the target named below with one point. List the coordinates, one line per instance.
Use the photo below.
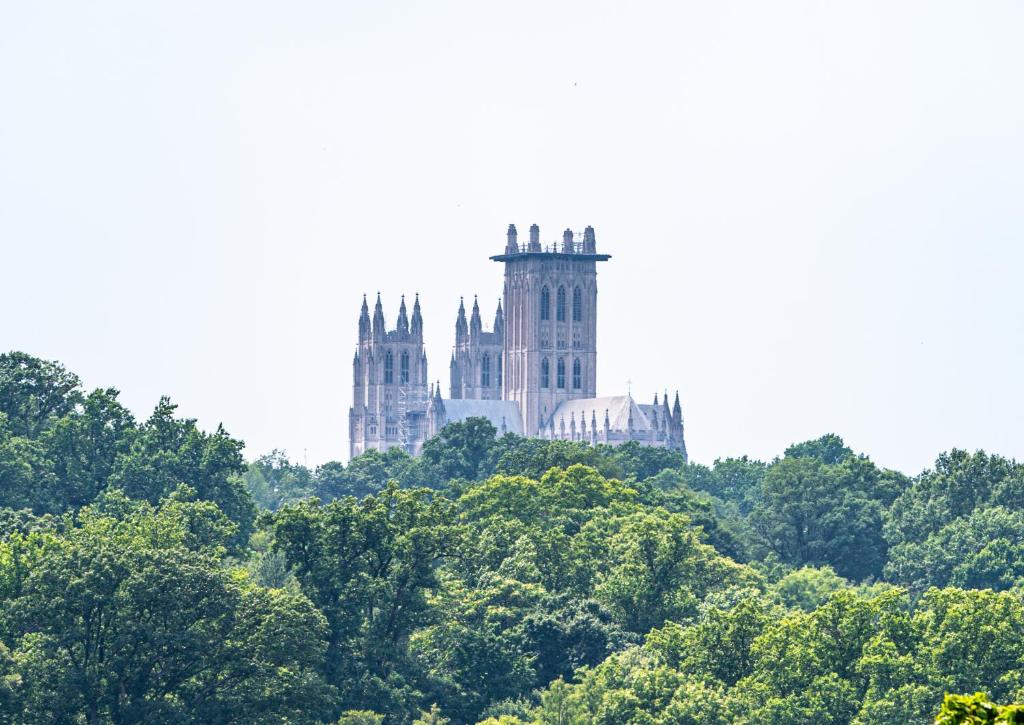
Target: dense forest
(148, 573)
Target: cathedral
(533, 374)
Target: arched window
(545, 373)
(497, 359)
(485, 371)
(560, 309)
(404, 369)
(561, 372)
(577, 376)
(545, 304)
(389, 368)
(577, 305)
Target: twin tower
(534, 373)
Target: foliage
(500, 580)
(130, 617)
(977, 709)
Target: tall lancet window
(485, 372)
(577, 376)
(545, 304)
(497, 359)
(560, 310)
(389, 368)
(577, 305)
(545, 373)
(404, 369)
(561, 372)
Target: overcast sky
(814, 209)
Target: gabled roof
(619, 407)
(499, 412)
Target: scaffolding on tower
(410, 398)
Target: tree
(807, 516)
(85, 444)
(273, 480)
(33, 391)
(977, 709)
(984, 550)
(368, 566)
(461, 449)
(829, 449)
(649, 566)
(132, 618)
(169, 451)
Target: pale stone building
(534, 373)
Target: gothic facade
(534, 373)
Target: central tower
(550, 346)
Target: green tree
(84, 446)
(368, 566)
(809, 516)
(461, 449)
(977, 709)
(34, 391)
(829, 449)
(133, 618)
(169, 451)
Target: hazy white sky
(814, 209)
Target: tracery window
(561, 372)
(560, 309)
(545, 373)
(485, 371)
(404, 369)
(577, 305)
(389, 368)
(545, 304)
(577, 376)
(498, 360)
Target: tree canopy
(150, 573)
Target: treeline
(148, 574)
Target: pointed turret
(403, 318)
(461, 328)
(589, 241)
(364, 321)
(378, 318)
(567, 241)
(655, 398)
(677, 411)
(534, 238)
(499, 321)
(417, 318)
(512, 246)
(476, 326)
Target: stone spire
(655, 398)
(364, 321)
(475, 324)
(534, 238)
(567, 241)
(417, 318)
(512, 247)
(403, 318)
(460, 322)
(677, 411)
(378, 318)
(499, 320)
